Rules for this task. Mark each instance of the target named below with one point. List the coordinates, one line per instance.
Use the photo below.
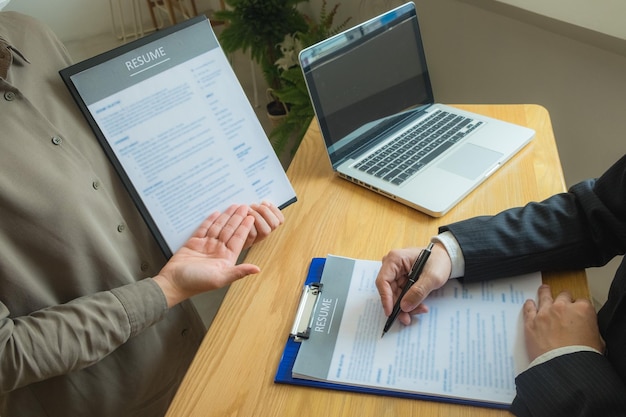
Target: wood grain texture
(233, 372)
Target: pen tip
(381, 336)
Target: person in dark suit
(578, 358)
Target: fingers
(249, 224)
(553, 323)
(267, 217)
(231, 227)
(203, 230)
(393, 276)
(544, 299)
(544, 296)
(565, 297)
(546, 302)
(213, 224)
(529, 310)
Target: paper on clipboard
(467, 349)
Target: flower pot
(276, 109)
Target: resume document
(468, 346)
(175, 121)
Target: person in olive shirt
(94, 321)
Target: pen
(414, 273)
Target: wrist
(170, 291)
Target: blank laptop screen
(365, 74)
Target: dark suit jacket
(582, 228)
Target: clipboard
(175, 123)
(312, 289)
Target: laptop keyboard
(412, 150)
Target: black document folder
(176, 124)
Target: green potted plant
(259, 26)
(292, 90)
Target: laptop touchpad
(470, 161)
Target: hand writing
(393, 276)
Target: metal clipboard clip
(301, 329)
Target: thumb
(417, 294)
(435, 275)
(240, 271)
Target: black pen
(414, 273)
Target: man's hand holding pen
(393, 276)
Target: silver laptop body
(371, 93)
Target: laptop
(374, 103)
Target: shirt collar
(7, 53)
(13, 49)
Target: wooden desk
(233, 372)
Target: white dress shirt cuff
(449, 242)
(560, 352)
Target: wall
(76, 19)
(479, 52)
(604, 16)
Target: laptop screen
(366, 80)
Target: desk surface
(233, 372)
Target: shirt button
(9, 95)
(96, 185)
(56, 140)
(121, 228)
(145, 266)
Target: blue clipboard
(285, 367)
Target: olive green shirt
(83, 330)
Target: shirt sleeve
(72, 336)
(453, 248)
(559, 352)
